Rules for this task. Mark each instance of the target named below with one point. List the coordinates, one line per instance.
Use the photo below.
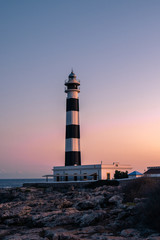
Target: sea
(12, 183)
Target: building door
(108, 176)
(75, 178)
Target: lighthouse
(72, 141)
(73, 170)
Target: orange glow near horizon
(129, 141)
(115, 55)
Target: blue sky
(113, 47)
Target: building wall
(152, 175)
(80, 171)
(103, 172)
(108, 171)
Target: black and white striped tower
(72, 146)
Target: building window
(66, 178)
(95, 176)
(85, 176)
(75, 178)
(108, 176)
(57, 178)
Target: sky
(113, 47)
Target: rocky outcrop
(43, 213)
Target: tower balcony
(72, 81)
(72, 90)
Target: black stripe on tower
(72, 158)
(72, 104)
(72, 131)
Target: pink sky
(113, 47)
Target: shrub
(138, 188)
(148, 211)
(120, 175)
(151, 211)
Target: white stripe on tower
(72, 146)
(72, 117)
(72, 95)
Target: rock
(25, 235)
(100, 201)
(99, 229)
(114, 225)
(92, 218)
(130, 232)
(115, 238)
(131, 207)
(116, 211)
(16, 211)
(4, 233)
(57, 235)
(154, 237)
(122, 215)
(66, 204)
(70, 211)
(43, 219)
(102, 236)
(41, 213)
(139, 200)
(147, 232)
(64, 236)
(50, 234)
(85, 205)
(116, 199)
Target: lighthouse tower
(72, 144)
(73, 170)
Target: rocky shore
(31, 213)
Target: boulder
(4, 233)
(115, 199)
(154, 237)
(85, 205)
(130, 232)
(57, 235)
(50, 234)
(66, 204)
(92, 218)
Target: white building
(152, 172)
(88, 172)
(135, 174)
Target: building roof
(153, 171)
(93, 166)
(135, 173)
(71, 175)
(72, 75)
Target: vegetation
(119, 174)
(151, 210)
(148, 210)
(139, 188)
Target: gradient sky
(114, 49)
